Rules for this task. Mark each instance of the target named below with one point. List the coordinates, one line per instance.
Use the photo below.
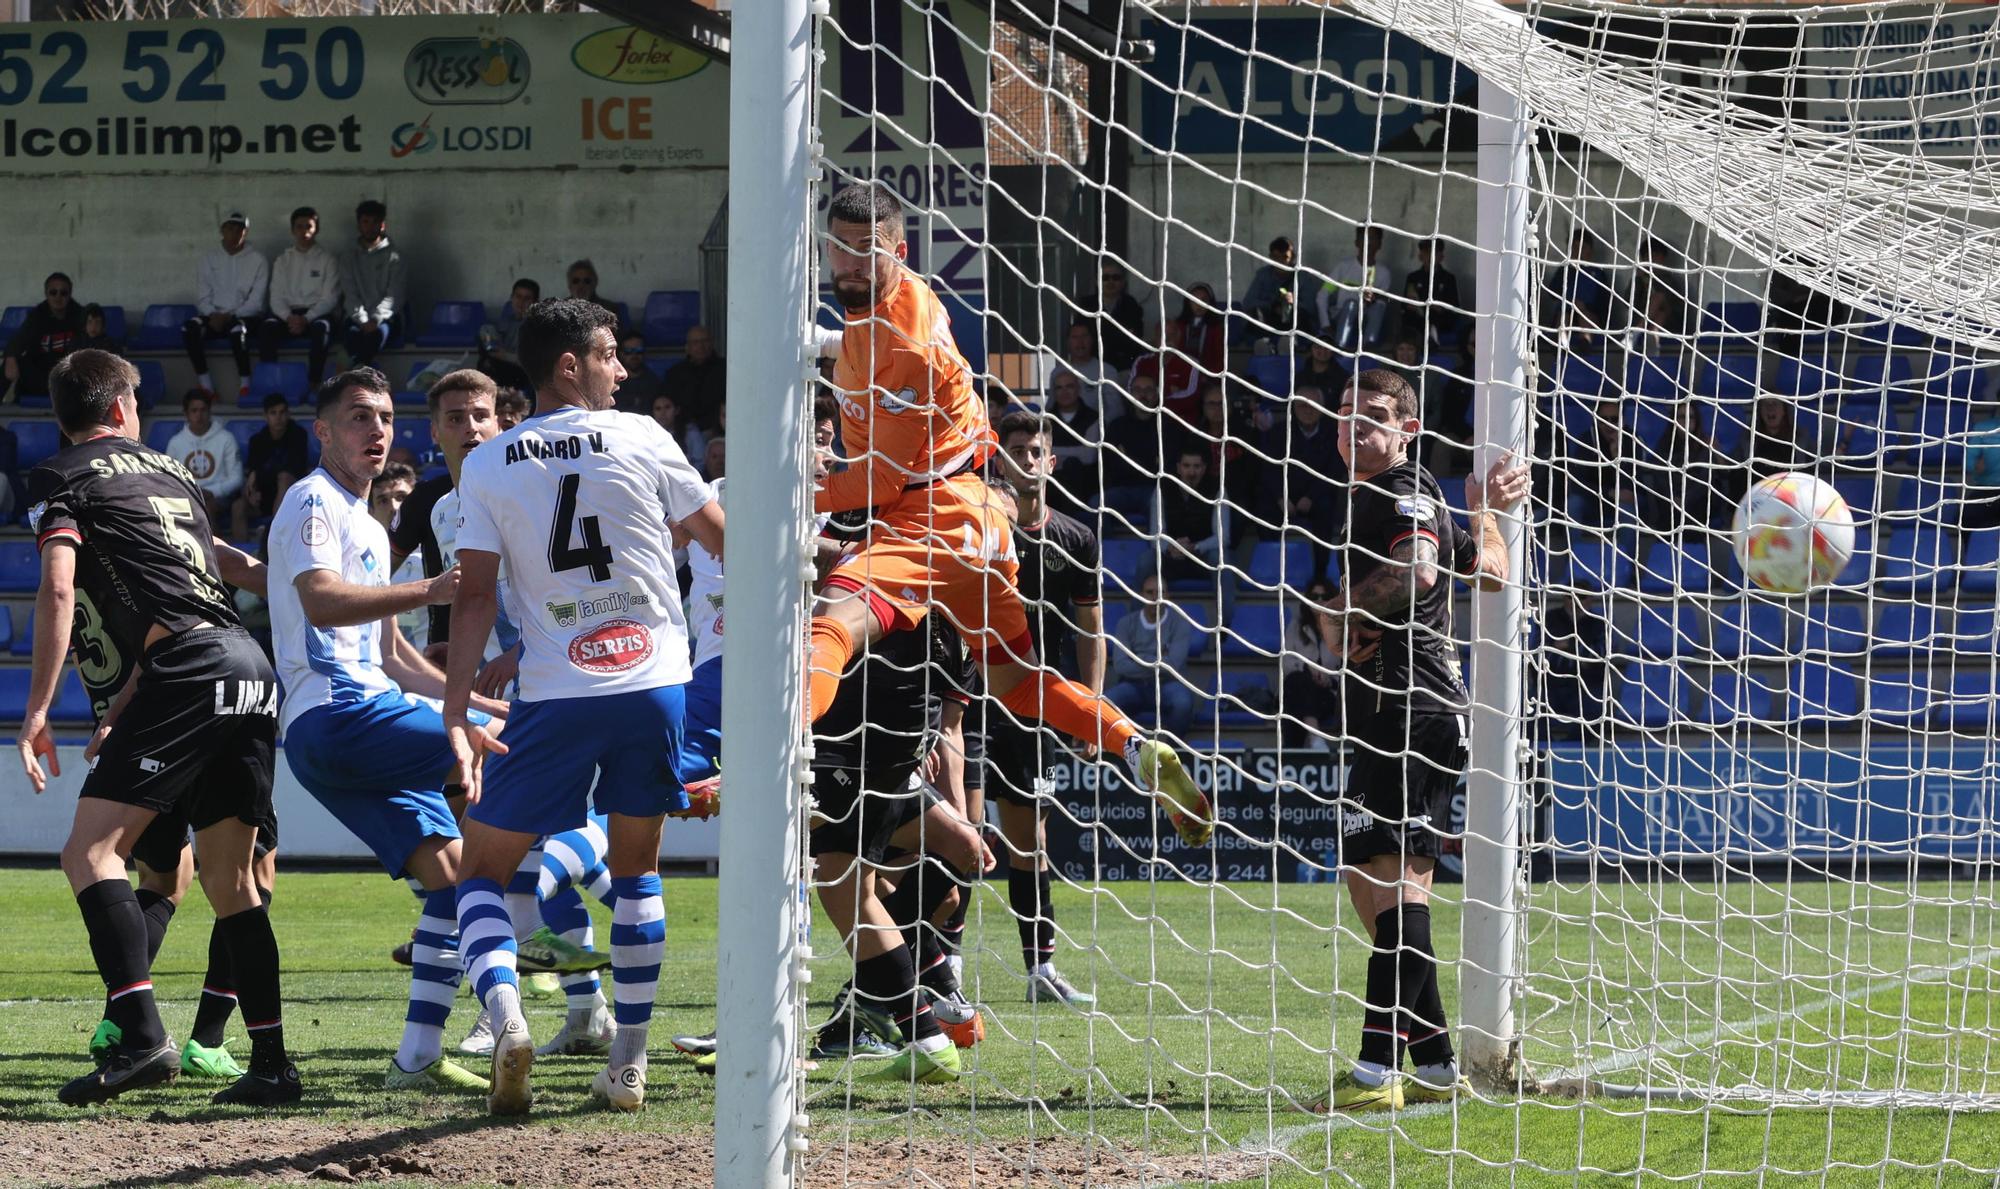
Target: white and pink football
(1793, 533)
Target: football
(1793, 532)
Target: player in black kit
(1406, 719)
(123, 532)
(1059, 564)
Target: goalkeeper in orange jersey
(915, 434)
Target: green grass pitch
(1216, 1004)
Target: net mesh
(1756, 879)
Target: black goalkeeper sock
(1028, 898)
(1382, 1030)
(951, 934)
(117, 928)
(253, 957)
(159, 913)
(889, 983)
(218, 991)
(1430, 1032)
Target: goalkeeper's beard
(854, 293)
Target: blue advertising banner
(1338, 85)
(1655, 802)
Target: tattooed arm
(1356, 618)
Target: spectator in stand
(1078, 438)
(373, 283)
(641, 384)
(667, 411)
(1203, 334)
(1774, 444)
(97, 332)
(1141, 444)
(15, 485)
(1657, 313)
(500, 342)
(1320, 369)
(699, 381)
(276, 458)
(1171, 371)
(511, 407)
(52, 330)
(1310, 686)
(1096, 382)
(209, 452)
(582, 281)
(1598, 471)
(1151, 651)
(1310, 482)
(1575, 298)
(1680, 482)
(1982, 468)
(1443, 404)
(1352, 306)
(232, 284)
(1121, 323)
(1432, 294)
(305, 295)
(713, 458)
(1187, 511)
(1272, 297)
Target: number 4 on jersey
(593, 552)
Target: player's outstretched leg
(487, 937)
(638, 938)
(420, 1063)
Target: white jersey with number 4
(576, 504)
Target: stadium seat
(71, 707)
(1930, 500)
(1861, 495)
(1915, 558)
(1239, 691)
(1598, 564)
(1652, 695)
(1114, 610)
(162, 431)
(1669, 629)
(1980, 564)
(1822, 691)
(453, 324)
(1584, 375)
(6, 627)
(1804, 377)
(1730, 377)
(1255, 629)
(114, 322)
(1273, 565)
(38, 440)
(289, 378)
(1837, 629)
(1729, 426)
(20, 567)
(160, 327)
(243, 428)
(415, 433)
(152, 382)
(670, 314)
(1900, 701)
(1202, 630)
(1127, 559)
(12, 320)
(1972, 631)
(24, 636)
(1969, 708)
(1954, 376)
(1941, 429)
(1756, 628)
(1669, 567)
(1733, 695)
(1653, 375)
(1272, 374)
(1876, 376)
(1892, 334)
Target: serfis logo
(411, 138)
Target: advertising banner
(376, 93)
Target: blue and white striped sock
(524, 894)
(575, 858)
(566, 916)
(486, 936)
(434, 978)
(638, 938)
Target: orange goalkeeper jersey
(908, 414)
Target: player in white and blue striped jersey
(358, 732)
(574, 504)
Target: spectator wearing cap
(373, 278)
(305, 294)
(635, 394)
(500, 340)
(209, 452)
(277, 456)
(232, 282)
(52, 330)
(699, 381)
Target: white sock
(1438, 1075)
(1370, 1073)
(628, 1046)
(503, 1003)
(1132, 754)
(421, 1045)
(933, 1044)
(203, 381)
(1043, 970)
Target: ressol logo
(628, 54)
(466, 70)
(612, 647)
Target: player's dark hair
(825, 408)
(336, 387)
(304, 212)
(275, 400)
(394, 472)
(85, 385)
(1383, 382)
(511, 402)
(530, 284)
(465, 379)
(557, 327)
(371, 206)
(196, 394)
(869, 202)
(1193, 450)
(1022, 421)
(1283, 241)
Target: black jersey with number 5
(1418, 657)
(144, 553)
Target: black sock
(253, 957)
(1382, 1030)
(159, 912)
(1028, 897)
(889, 982)
(1430, 1032)
(218, 992)
(933, 971)
(951, 934)
(916, 901)
(117, 928)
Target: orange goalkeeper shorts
(949, 546)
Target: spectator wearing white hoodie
(209, 452)
(372, 280)
(305, 293)
(231, 285)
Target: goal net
(1716, 897)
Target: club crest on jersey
(315, 531)
(906, 401)
(35, 515)
(612, 647)
(1416, 507)
(563, 613)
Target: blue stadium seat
(1900, 701)
(1941, 428)
(453, 324)
(24, 639)
(20, 567)
(1584, 375)
(114, 322)
(12, 319)
(1731, 317)
(1729, 426)
(1890, 375)
(289, 378)
(1598, 564)
(243, 428)
(415, 433)
(1669, 567)
(162, 431)
(1669, 629)
(72, 704)
(1652, 695)
(1805, 377)
(1114, 610)
(160, 327)
(1821, 691)
(1272, 374)
(1953, 375)
(1255, 629)
(1861, 495)
(1242, 689)
(1653, 375)
(1733, 695)
(624, 313)
(1969, 708)
(659, 367)
(1915, 558)
(1981, 562)
(1729, 377)
(1202, 630)
(1753, 629)
(1933, 500)
(1838, 629)
(38, 440)
(968, 329)
(1273, 564)
(152, 382)
(1127, 559)
(670, 314)
(1892, 334)
(1972, 632)
(6, 627)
